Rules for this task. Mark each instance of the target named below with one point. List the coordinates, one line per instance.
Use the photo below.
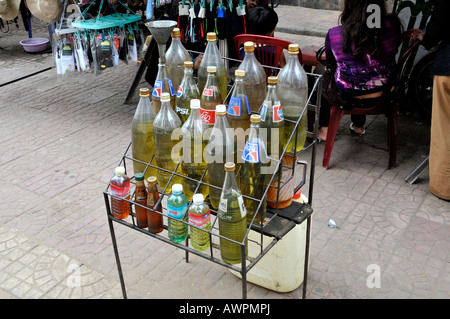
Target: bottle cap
(198, 199)
(211, 36)
(177, 188)
(272, 80)
(152, 180)
(176, 32)
(249, 46)
(165, 96)
(139, 176)
(255, 118)
(195, 104)
(188, 64)
(230, 166)
(211, 69)
(293, 48)
(239, 73)
(144, 92)
(119, 171)
(221, 109)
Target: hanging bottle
(255, 77)
(293, 93)
(177, 208)
(238, 110)
(187, 91)
(272, 121)
(176, 55)
(212, 57)
(140, 197)
(232, 216)
(154, 220)
(119, 186)
(211, 97)
(253, 178)
(163, 84)
(220, 149)
(200, 216)
(142, 139)
(193, 164)
(166, 154)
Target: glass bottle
(166, 122)
(253, 180)
(272, 120)
(142, 139)
(177, 207)
(154, 220)
(187, 91)
(140, 197)
(219, 150)
(293, 93)
(199, 215)
(232, 216)
(163, 84)
(211, 97)
(255, 77)
(176, 55)
(193, 164)
(119, 186)
(238, 111)
(212, 57)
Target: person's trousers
(439, 160)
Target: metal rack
(277, 224)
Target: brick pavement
(61, 137)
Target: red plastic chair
(268, 50)
(387, 105)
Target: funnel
(161, 31)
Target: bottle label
(157, 88)
(123, 192)
(177, 212)
(234, 107)
(208, 92)
(182, 110)
(242, 206)
(200, 220)
(277, 114)
(141, 195)
(251, 152)
(208, 116)
(171, 89)
(180, 91)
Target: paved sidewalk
(62, 136)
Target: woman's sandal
(352, 130)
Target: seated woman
(364, 54)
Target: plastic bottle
(193, 164)
(211, 97)
(163, 84)
(119, 186)
(255, 77)
(187, 91)
(232, 216)
(200, 216)
(293, 94)
(220, 149)
(140, 197)
(238, 111)
(272, 120)
(177, 207)
(166, 122)
(176, 55)
(253, 180)
(154, 220)
(142, 139)
(212, 57)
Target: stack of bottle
(194, 147)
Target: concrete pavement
(62, 136)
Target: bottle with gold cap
(167, 155)
(210, 97)
(142, 138)
(176, 55)
(163, 84)
(232, 216)
(212, 57)
(238, 110)
(272, 121)
(253, 179)
(255, 77)
(293, 94)
(187, 91)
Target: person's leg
(358, 123)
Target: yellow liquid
(163, 156)
(293, 113)
(143, 147)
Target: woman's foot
(357, 130)
(322, 133)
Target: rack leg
(243, 273)
(305, 270)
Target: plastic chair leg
(335, 118)
(392, 137)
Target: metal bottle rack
(278, 222)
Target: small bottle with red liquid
(120, 186)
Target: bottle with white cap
(119, 186)
(199, 216)
(177, 207)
